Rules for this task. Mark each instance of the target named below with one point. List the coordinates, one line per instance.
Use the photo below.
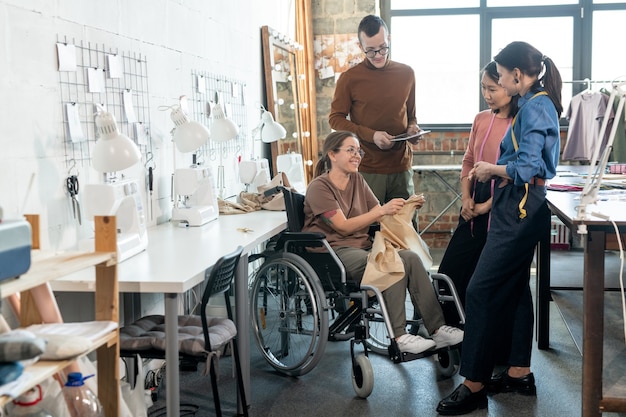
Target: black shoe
(462, 401)
(502, 382)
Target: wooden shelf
(51, 268)
(45, 268)
(42, 370)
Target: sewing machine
(254, 173)
(122, 200)
(291, 164)
(195, 196)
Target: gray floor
(409, 389)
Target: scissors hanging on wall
(71, 183)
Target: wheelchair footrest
(397, 356)
(407, 357)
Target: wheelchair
(301, 299)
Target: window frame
(582, 14)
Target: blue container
(15, 247)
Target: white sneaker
(447, 336)
(414, 344)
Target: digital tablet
(404, 136)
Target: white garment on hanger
(585, 114)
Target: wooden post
(107, 305)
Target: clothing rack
(597, 167)
(588, 82)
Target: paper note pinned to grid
(74, 128)
(67, 56)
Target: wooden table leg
(593, 323)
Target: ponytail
(553, 84)
(323, 165)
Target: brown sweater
(376, 100)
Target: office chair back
(219, 279)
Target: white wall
(176, 37)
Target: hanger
(588, 90)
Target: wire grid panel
(116, 81)
(210, 89)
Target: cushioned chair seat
(149, 333)
(200, 338)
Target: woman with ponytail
(498, 300)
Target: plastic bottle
(29, 404)
(80, 400)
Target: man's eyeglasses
(353, 151)
(382, 52)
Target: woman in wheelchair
(340, 204)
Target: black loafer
(502, 382)
(462, 401)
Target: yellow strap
(522, 210)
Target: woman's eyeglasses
(353, 151)
(382, 52)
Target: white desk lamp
(289, 163)
(271, 131)
(115, 152)
(256, 172)
(193, 188)
(222, 130)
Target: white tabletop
(176, 257)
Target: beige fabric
(258, 201)
(230, 207)
(384, 266)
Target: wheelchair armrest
(305, 236)
(313, 239)
(373, 229)
(274, 190)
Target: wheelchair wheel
(362, 376)
(448, 362)
(288, 318)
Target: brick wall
(439, 149)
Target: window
(608, 58)
(500, 3)
(432, 4)
(443, 87)
(448, 41)
(541, 37)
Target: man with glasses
(376, 100)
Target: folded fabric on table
(564, 187)
(67, 340)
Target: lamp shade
(113, 151)
(271, 131)
(189, 135)
(222, 128)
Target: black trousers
(463, 251)
(498, 299)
